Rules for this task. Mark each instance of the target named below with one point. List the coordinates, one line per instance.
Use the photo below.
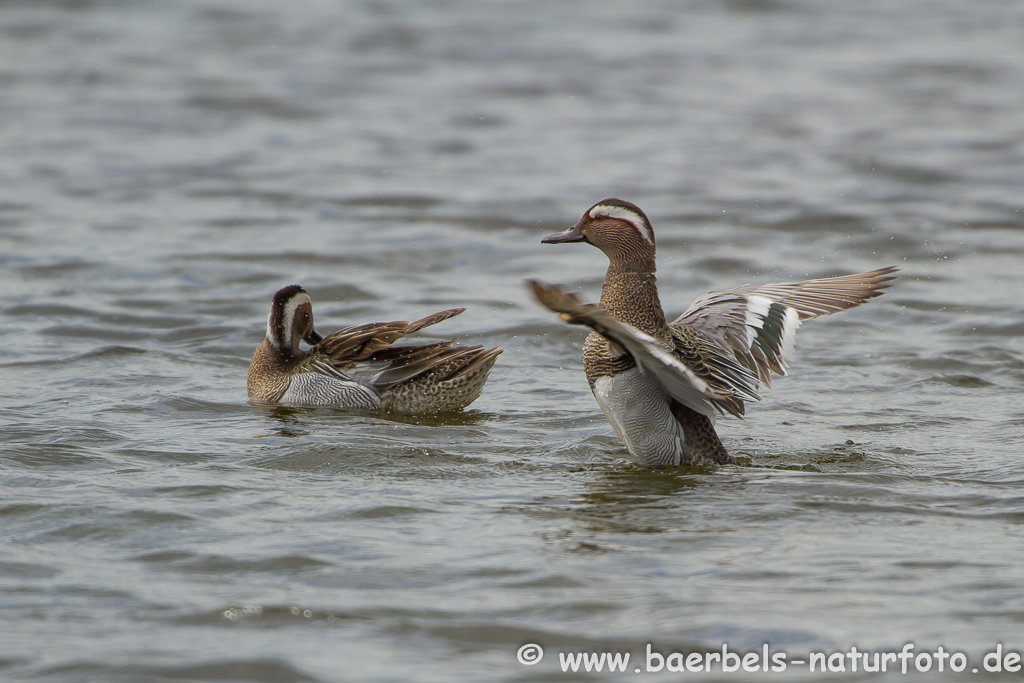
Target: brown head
(618, 228)
(291, 321)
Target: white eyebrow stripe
(624, 214)
(287, 318)
(271, 332)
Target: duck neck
(630, 294)
(283, 358)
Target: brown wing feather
(827, 295)
(433, 319)
(757, 322)
(402, 370)
(359, 342)
(714, 365)
(366, 353)
(353, 344)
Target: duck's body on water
(358, 367)
(661, 384)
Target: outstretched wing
(758, 323)
(696, 373)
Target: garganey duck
(661, 384)
(357, 367)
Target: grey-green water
(165, 167)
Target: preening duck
(358, 366)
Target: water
(165, 167)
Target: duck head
(618, 228)
(291, 321)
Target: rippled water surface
(165, 167)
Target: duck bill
(313, 338)
(573, 234)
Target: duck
(661, 384)
(358, 367)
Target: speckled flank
(603, 358)
(452, 385)
(704, 445)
